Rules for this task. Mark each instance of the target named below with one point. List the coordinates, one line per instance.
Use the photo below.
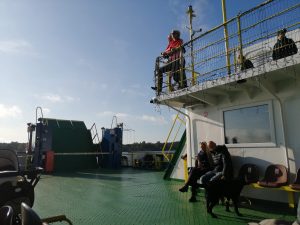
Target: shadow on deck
(135, 197)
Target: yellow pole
(240, 39)
(186, 175)
(191, 14)
(226, 36)
(169, 81)
(165, 145)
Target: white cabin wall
(207, 124)
(292, 111)
(178, 171)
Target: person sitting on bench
(222, 164)
(202, 166)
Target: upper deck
(211, 65)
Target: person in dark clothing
(222, 164)
(245, 63)
(202, 166)
(227, 162)
(175, 62)
(284, 46)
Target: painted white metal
(266, 83)
(178, 171)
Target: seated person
(222, 164)
(245, 63)
(284, 46)
(172, 53)
(202, 165)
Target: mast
(191, 14)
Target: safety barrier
(250, 35)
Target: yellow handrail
(186, 175)
(175, 136)
(166, 155)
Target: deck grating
(128, 197)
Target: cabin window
(248, 125)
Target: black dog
(229, 189)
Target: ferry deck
(132, 196)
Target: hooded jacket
(284, 48)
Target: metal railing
(165, 151)
(251, 35)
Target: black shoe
(193, 199)
(184, 189)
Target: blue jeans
(210, 176)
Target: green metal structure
(175, 156)
(71, 141)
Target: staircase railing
(251, 36)
(165, 151)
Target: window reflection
(247, 125)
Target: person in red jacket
(172, 53)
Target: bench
(291, 192)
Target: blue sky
(90, 60)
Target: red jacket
(173, 44)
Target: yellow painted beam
(288, 189)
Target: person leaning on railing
(284, 46)
(173, 54)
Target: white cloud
(154, 119)
(129, 91)
(15, 133)
(70, 99)
(110, 114)
(10, 111)
(52, 98)
(16, 47)
(46, 111)
(136, 86)
(55, 98)
(121, 115)
(134, 89)
(105, 113)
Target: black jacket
(284, 48)
(247, 64)
(203, 159)
(222, 161)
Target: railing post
(240, 39)
(186, 173)
(165, 145)
(169, 80)
(226, 37)
(181, 68)
(158, 77)
(234, 60)
(191, 14)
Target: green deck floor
(130, 197)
